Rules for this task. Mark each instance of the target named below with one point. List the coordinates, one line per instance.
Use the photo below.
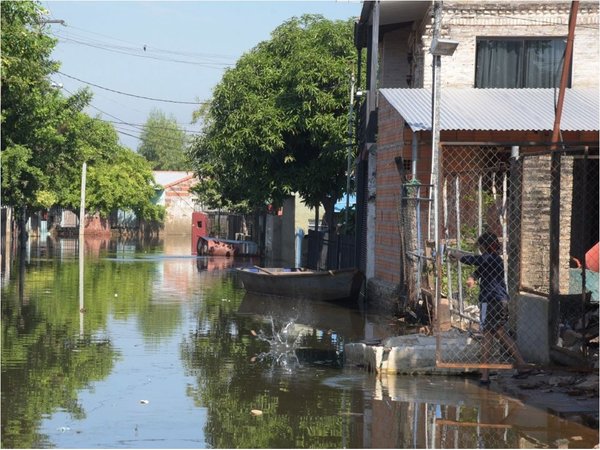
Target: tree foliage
(277, 122)
(46, 136)
(163, 143)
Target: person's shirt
(490, 274)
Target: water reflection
(177, 331)
(439, 412)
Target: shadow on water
(169, 352)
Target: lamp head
(443, 47)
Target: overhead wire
(131, 95)
(152, 48)
(160, 127)
(211, 65)
(120, 131)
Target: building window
(519, 62)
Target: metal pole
(555, 168)
(349, 157)
(437, 177)
(81, 283)
(565, 73)
(461, 306)
(82, 204)
(480, 206)
(415, 153)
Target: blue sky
(188, 46)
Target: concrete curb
(412, 354)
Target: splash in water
(283, 343)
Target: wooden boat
(323, 285)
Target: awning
(498, 109)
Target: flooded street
(159, 349)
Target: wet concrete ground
(569, 394)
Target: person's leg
(511, 346)
(486, 344)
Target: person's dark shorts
(493, 315)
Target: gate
(543, 208)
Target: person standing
(493, 298)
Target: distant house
(176, 197)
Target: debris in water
(256, 412)
(144, 402)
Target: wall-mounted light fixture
(443, 47)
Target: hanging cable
(131, 95)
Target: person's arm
(470, 259)
(456, 254)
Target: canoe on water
(322, 285)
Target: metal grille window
(519, 63)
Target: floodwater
(145, 346)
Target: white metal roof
(498, 109)
(164, 177)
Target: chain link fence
(519, 273)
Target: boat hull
(344, 284)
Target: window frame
(522, 59)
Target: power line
(139, 125)
(131, 95)
(211, 65)
(152, 48)
(122, 122)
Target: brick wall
(387, 236)
(535, 223)
(179, 204)
(394, 61)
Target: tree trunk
(329, 205)
(326, 257)
(22, 227)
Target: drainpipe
(415, 147)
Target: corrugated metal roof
(166, 177)
(498, 109)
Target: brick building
(498, 93)
(177, 199)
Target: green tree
(277, 122)
(46, 137)
(117, 177)
(163, 143)
(29, 103)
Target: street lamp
(439, 48)
(443, 47)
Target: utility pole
(555, 164)
(82, 202)
(435, 156)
